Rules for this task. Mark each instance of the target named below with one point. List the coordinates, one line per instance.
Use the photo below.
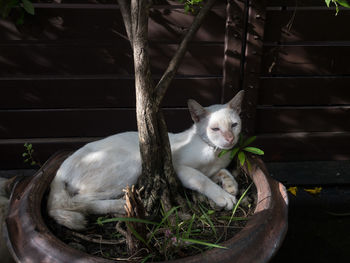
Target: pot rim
(257, 242)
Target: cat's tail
(62, 208)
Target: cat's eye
(234, 125)
(215, 129)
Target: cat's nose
(229, 137)
(230, 140)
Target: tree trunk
(158, 176)
(157, 169)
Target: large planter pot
(30, 240)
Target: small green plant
(203, 228)
(191, 5)
(21, 6)
(337, 3)
(28, 155)
(241, 149)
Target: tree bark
(157, 170)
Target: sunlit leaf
(223, 152)
(241, 158)
(254, 150)
(293, 190)
(327, 2)
(343, 3)
(234, 152)
(313, 191)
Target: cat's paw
(228, 182)
(226, 201)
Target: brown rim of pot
(30, 240)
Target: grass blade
(101, 221)
(238, 202)
(171, 211)
(199, 242)
(208, 220)
(189, 228)
(137, 235)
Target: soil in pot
(202, 228)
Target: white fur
(91, 180)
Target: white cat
(91, 180)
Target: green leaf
(33, 163)
(223, 152)
(248, 141)
(234, 152)
(28, 6)
(24, 154)
(249, 166)
(199, 242)
(254, 150)
(328, 2)
(343, 3)
(241, 158)
(187, 8)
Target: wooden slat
(98, 91)
(306, 60)
(278, 147)
(316, 173)
(305, 25)
(298, 3)
(233, 49)
(79, 122)
(60, 24)
(11, 150)
(252, 68)
(313, 146)
(104, 58)
(304, 91)
(302, 119)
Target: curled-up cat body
(91, 180)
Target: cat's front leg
(195, 180)
(228, 182)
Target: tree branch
(170, 72)
(124, 6)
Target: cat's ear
(236, 102)
(196, 110)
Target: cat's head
(218, 125)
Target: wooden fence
(66, 75)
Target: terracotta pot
(30, 240)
